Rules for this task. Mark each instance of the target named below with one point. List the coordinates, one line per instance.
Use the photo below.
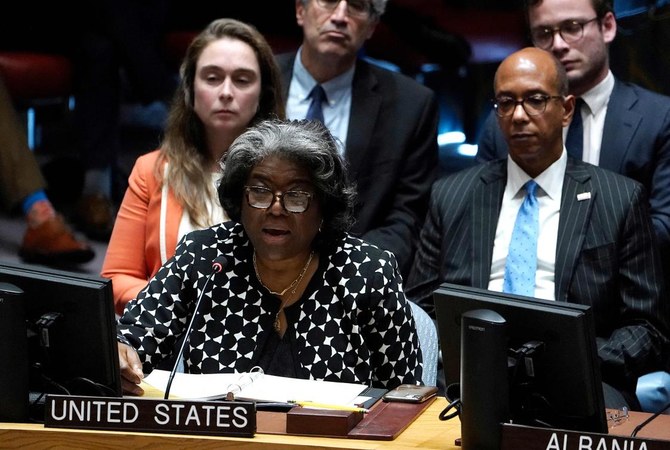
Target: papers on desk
(257, 386)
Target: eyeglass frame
(617, 417)
(369, 12)
(522, 102)
(280, 196)
(559, 29)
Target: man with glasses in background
(624, 128)
(385, 121)
(543, 224)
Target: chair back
(428, 342)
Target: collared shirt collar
(597, 97)
(551, 180)
(336, 88)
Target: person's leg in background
(119, 59)
(48, 240)
(96, 112)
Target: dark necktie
(521, 263)
(574, 142)
(315, 111)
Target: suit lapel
(577, 202)
(365, 106)
(285, 63)
(485, 210)
(621, 123)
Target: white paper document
(255, 386)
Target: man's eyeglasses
(571, 31)
(534, 105)
(292, 201)
(355, 8)
(617, 417)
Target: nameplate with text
(216, 418)
(515, 437)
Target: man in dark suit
(626, 128)
(596, 244)
(386, 122)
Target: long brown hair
(184, 144)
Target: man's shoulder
(285, 61)
(285, 57)
(386, 76)
(475, 171)
(644, 95)
(605, 176)
(464, 179)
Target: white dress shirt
(336, 111)
(593, 118)
(550, 183)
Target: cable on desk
(453, 397)
(649, 419)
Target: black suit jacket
(605, 257)
(391, 152)
(635, 143)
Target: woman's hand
(131, 370)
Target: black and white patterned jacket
(352, 324)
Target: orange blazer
(145, 232)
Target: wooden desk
(426, 432)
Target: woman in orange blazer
(228, 81)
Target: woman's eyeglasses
(292, 201)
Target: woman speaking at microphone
(299, 296)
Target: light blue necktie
(521, 262)
(315, 111)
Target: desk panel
(426, 432)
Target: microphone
(217, 266)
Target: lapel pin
(583, 196)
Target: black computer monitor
(71, 325)
(565, 390)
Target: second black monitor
(566, 384)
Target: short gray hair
(309, 144)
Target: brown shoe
(53, 243)
(95, 217)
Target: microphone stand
(217, 266)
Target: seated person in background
(386, 121)
(598, 247)
(48, 239)
(625, 128)
(229, 80)
(300, 297)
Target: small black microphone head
(219, 263)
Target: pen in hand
(310, 404)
